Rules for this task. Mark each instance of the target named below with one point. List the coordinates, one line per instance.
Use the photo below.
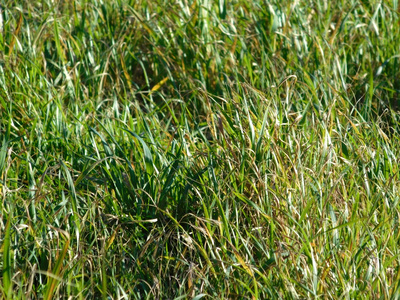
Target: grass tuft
(199, 149)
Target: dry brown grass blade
(15, 34)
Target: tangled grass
(199, 149)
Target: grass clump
(199, 149)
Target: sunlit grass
(199, 149)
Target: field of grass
(199, 149)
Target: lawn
(199, 149)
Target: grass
(199, 149)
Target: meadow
(199, 149)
